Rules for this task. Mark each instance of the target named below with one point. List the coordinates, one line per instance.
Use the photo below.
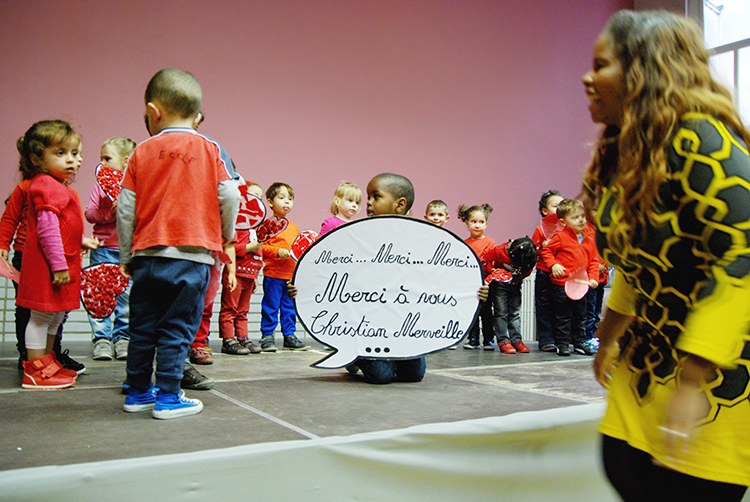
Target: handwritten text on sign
(387, 287)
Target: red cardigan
(564, 249)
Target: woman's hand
(4, 254)
(605, 359)
(610, 330)
(687, 407)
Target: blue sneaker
(137, 401)
(586, 348)
(175, 405)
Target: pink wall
(475, 101)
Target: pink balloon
(577, 284)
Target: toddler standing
(235, 304)
(567, 251)
(50, 281)
(177, 207)
(110, 335)
(542, 283)
(279, 268)
(476, 218)
(514, 260)
(344, 206)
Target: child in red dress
(51, 270)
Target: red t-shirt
(175, 177)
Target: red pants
(234, 307)
(201, 338)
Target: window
(727, 34)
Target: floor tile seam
(513, 365)
(265, 415)
(510, 387)
(71, 389)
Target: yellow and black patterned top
(686, 280)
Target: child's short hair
(178, 91)
(545, 197)
(123, 146)
(39, 136)
(398, 186)
(436, 203)
(464, 211)
(566, 206)
(345, 190)
(275, 188)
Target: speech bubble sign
(387, 287)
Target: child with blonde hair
(111, 333)
(437, 212)
(345, 205)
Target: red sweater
(564, 249)
(481, 246)
(539, 239)
(13, 221)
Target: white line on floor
(265, 415)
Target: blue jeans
(276, 306)
(506, 311)
(383, 371)
(167, 303)
(543, 294)
(594, 300)
(109, 328)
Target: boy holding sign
(327, 317)
(389, 194)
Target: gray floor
(273, 397)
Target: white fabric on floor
(545, 455)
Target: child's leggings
(40, 326)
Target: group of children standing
(561, 245)
(171, 253)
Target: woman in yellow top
(670, 186)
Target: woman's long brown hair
(665, 66)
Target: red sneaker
(201, 355)
(521, 347)
(507, 348)
(45, 373)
